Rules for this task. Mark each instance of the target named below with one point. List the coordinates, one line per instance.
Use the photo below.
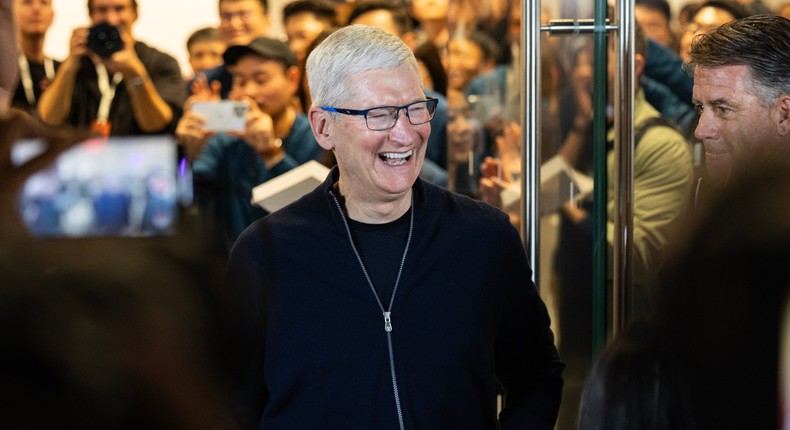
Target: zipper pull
(387, 322)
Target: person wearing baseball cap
(276, 138)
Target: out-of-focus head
(469, 57)
(635, 384)
(240, 21)
(115, 12)
(428, 10)
(708, 16)
(655, 16)
(304, 20)
(389, 16)
(205, 48)
(265, 71)
(742, 87)
(728, 282)
(33, 17)
(784, 10)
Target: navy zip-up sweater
(466, 316)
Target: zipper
(387, 313)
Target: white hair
(348, 51)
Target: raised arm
(54, 107)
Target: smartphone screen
(121, 187)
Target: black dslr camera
(105, 39)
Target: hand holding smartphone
(223, 116)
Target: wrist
(273, 154)
(135, 83)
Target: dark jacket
(465, 316)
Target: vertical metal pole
(600, 245)
(530, 81)
(624, 173)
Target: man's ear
(294, 77)
(322, 127)
(639, 64)
(783, 115)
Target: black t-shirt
(381, 247)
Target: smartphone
(118, 187)
(225, 115)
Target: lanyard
(27, 78)
(107, 90)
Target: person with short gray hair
(742, 91)
(379, 300)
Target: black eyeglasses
(385, 117)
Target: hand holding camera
(259, 133)
(104, 39)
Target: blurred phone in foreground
(119, 187)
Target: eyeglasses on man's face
(385, 117)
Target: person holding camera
(112, 83)
(228, 162)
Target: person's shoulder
(462, 207)
(142, 47)
(308, 211)
(153, 56)
(215, 73)
(481, 83)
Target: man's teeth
(395, 158)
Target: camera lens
(104, 40)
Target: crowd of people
(395, 294)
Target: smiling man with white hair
(380, 301)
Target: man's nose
(403, 129)
(706, 126)
(113, 18)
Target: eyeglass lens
(383, 118)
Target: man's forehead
(724, 84)
(722, 75)
(111, 3)
(240, 5)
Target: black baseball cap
(265, 47)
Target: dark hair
(657, 5)
(760, 42)
(689, 10)
(400, 15)
(90, 6)
(264, 4)
(636, 385)
(202, 35)
(486, 43)
(320, 8)
(429, 55)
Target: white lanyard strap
(107, 90)
(27, 78)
